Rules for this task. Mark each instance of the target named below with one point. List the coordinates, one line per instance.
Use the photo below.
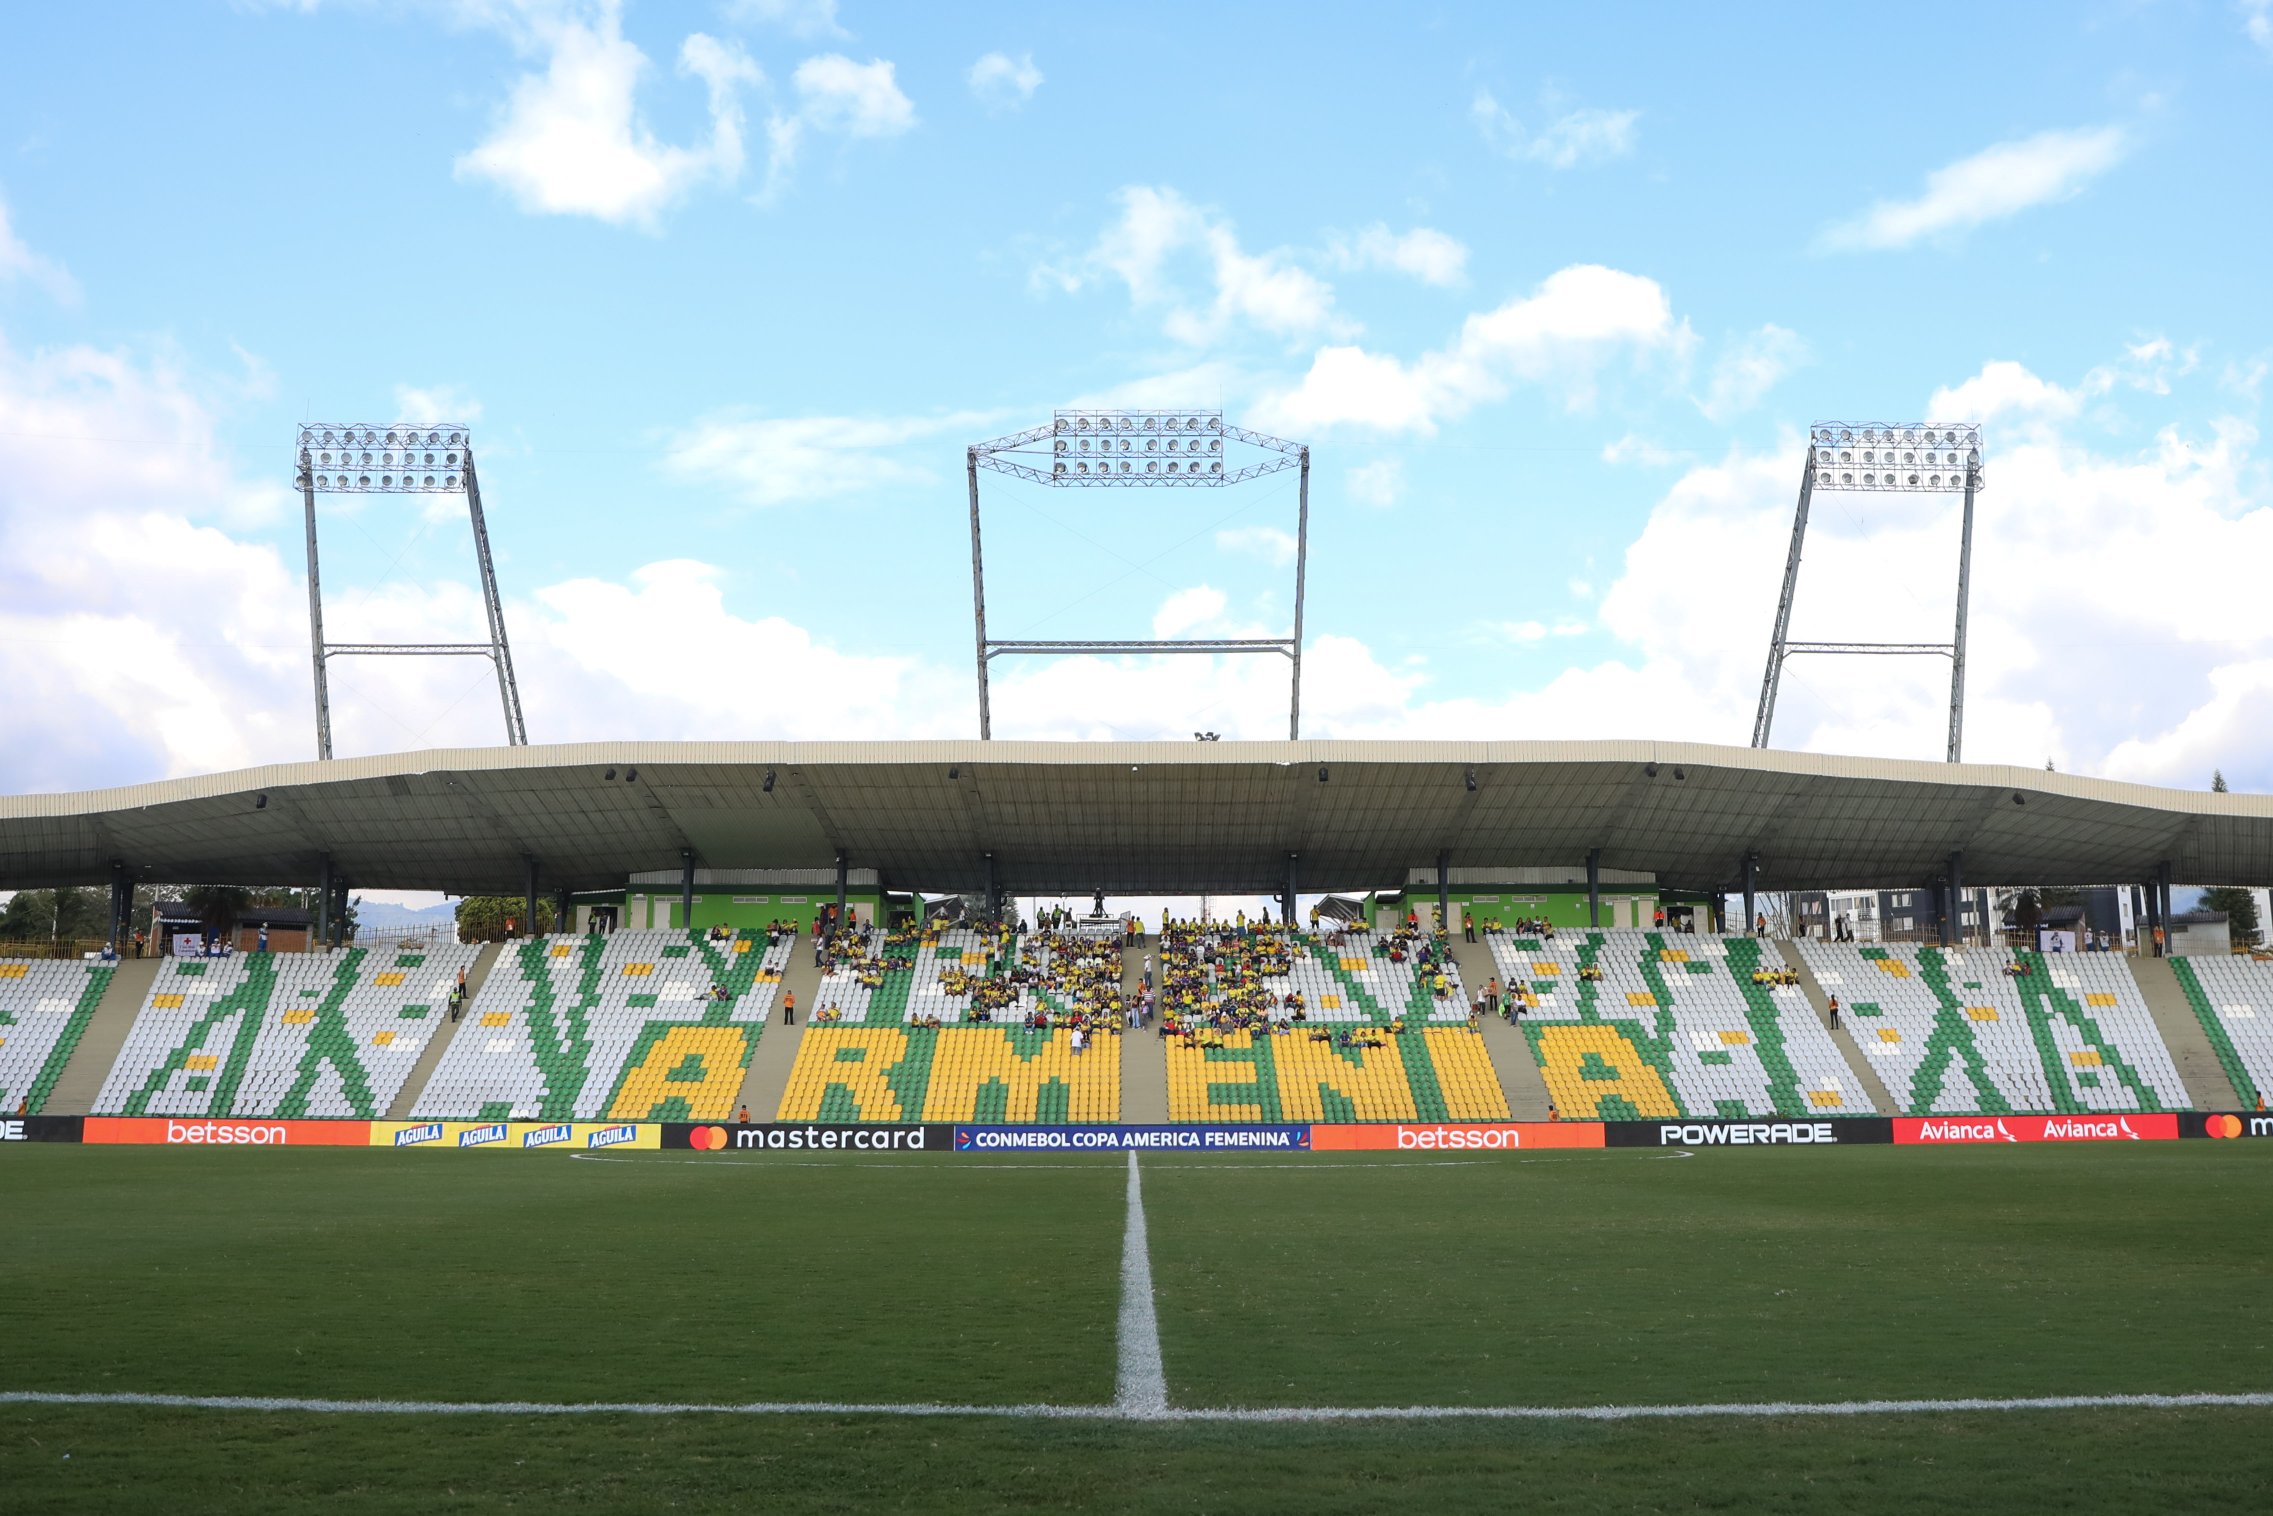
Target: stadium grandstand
(1527, 930)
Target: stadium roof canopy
(1131, 818)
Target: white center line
(1140, 1389)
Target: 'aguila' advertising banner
(514, 1136)
(2115, 1126)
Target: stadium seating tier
(282, 1034)
(1641, 1025)
(2233, 1000)
(45, 1005)
(1956, 1031)
(625, 1027)
(962, 1073)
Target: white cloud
(1379, 483)
(1425, 253)
(2257, 22)
(570, 140)
(1156, 228)
(836, 96)
(780, 460)
(1588, 135)
(1265, 542)
(799, 18)
(1748, 369)
(18, 261)
(1001, 82)
(1634, 448)
(1560, 335)
(434, 404)
(1187, 611)
(1992, 184)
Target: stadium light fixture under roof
(1912, 457)
(396, 458)
(1102, 448)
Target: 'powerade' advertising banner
(1831, 1131)
(1115, 1139)
(227, 1132)
(807, 1137)
(1456, 1136)
(515, 1136)
(41, 1129)
(2110, 1127)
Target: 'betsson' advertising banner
(808, 1137)
(227, 1132)
(2113, 1127)
(1456, 1136)
(514, 1136)
(1831, 1131)
(1114, 1139)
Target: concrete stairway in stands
(429, 1060)
(82, 1078)
(1144, 1062)
(1842, 1036)
(768, 1077)
(1520, 1079)
(2198, 1067)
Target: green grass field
(1563, 1279)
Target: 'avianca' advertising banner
(2113, 1126)
(1456, 1136)
(227, 1132)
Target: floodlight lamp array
(1162, 444)
(353, 458)
(1918, 455)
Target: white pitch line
(1140, 1386)
(1120, 1412)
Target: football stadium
(806, 1038)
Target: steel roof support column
(1957, 651)
(1301, 566)
(316, 614)
(323, 901)
(1942, 911)
(1751, 873)
(1288, 912)
(563, 911)
(1594, 887)
(1957, 894)
(340, 892)
(508, 692)
(2138, 917)
(2162, 907)
(1765, 718)
(686, 887)
(529, 896)
(121, 900)
(994, 891)
(979, 595)
(1444, 890)
(840, 887)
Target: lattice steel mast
(357, 459)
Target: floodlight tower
(1925, 457)
(402, 459)
(1163, 449)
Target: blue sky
(725, 290)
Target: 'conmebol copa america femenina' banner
(1111, 1139)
